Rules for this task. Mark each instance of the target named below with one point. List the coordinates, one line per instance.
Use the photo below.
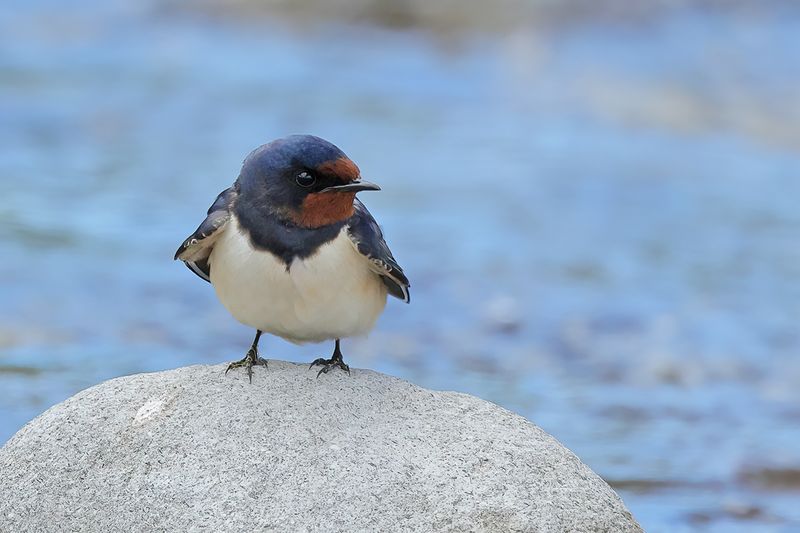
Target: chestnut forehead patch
(343, 168)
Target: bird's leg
(251, 359)
(336, 361)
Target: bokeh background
(596, 201)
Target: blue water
(599, 220)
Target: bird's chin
(325, 208)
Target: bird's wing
(194, 251)
(368, 239)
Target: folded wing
(194, 251)
(368, 239)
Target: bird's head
(302, 179)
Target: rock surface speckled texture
(193, 449)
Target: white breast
(331, 294)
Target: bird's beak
(354, 186)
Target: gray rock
(194, 449)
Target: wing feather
(368, 239)
(196, 249)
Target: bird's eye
(304, 179)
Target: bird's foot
(329, 364)
(249, 361)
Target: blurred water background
(597, 204)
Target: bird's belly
(330, 294)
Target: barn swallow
(291, 251)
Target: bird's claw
(249, 361)
(328, 364)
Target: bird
(291, 251)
